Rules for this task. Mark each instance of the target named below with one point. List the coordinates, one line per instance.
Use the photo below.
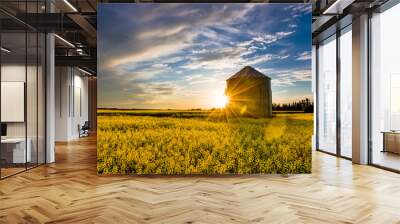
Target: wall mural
(204, 88)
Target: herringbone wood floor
(69, 191)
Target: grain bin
(249, 93)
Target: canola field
(202, 142)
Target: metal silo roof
(248, 72)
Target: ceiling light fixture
(84, 71)
(79, 51)
(5, 50)
(70, 5)
(64, 40)
(337, 7)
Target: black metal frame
(44, 80)
(369, 114)
(316, 97)
(337, 34)
(389, 4)
(338, 98)
(379, 9)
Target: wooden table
(391, 141)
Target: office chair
(84, 130)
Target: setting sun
(221, 101)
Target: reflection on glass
(395, 102)
(41, 99)
(385, 89)
(14, 153)
(327, 96)
(31, 101)
(22, 92)
(346, 93)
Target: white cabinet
(19, 155)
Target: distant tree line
(305, 105)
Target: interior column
(360, 90)
(50, 93)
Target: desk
(391, 141)
(16, 147)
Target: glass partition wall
(345, 90)
(13, 86)
(22, 78)
(334, 90)
(326, 54)
(385, 89)
(334, 94)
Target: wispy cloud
(165, 33)
(298, 9)
(198, 79)
(291, 77)
(158, 88)
(306, 55)
(184, 52)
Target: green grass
(202, 142)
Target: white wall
(71, 94)
(62, 83)
(13, 73)
(80, 109)
(13, 101)
(33, 126)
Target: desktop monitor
(3, 129)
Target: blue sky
(179, 55)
